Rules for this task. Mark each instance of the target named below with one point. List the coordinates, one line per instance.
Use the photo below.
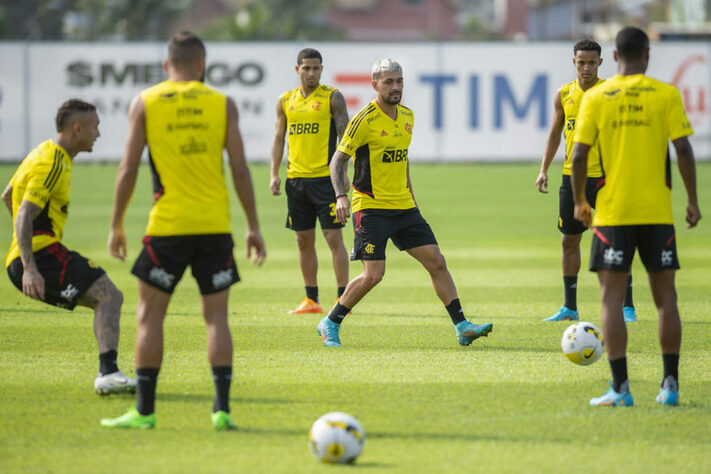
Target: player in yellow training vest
(631, 118)
(314, 116)
(186, 126)
(378, 139)
(37, 262)
(587, 60)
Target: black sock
(341, 290)
(222, 377)
(619, 372)
(628, 295)
(455, 311)
(338, 313)
(312, 292)
(570, 283)
(107, 362)
(671, 366)
(146, 380)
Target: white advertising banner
(471, 101)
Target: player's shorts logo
(222, 279)
(69, 292)
(667, 257)
(369, 249)
(612, 256)
(161, 277)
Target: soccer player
(631, 117)
(314, 115)
(384, 206)
(37, 262)
(186, 126)
(566, 105)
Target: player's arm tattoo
(106, 300)
(339, 112)
(339, 173)
(7, 197)
(26, 215)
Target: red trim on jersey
(671, 239)
(43, 232)
(600, 183)
(149, 249)
(158, 194)
(363, 192)
(602, 237)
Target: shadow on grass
(202, 397)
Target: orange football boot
(307, 306)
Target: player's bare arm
(339, 112)
(277, 149)
(552, 143)
(687, 168)
(583, 212)
(243, 184)
(127, 174)
(7, 198)
(339, 179)
(32, 281)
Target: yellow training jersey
(44, 178)
(311, 131)
(571, 95)
(185, 129)
(379, 146)
(632, 118)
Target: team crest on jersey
(316, 105)
(408, 128)
(612, 95)
(369, 249)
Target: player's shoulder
(405, 111)
(326, 89)
(369, 109)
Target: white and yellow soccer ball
(582, 343)
(336, 438)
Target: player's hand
(693, 214)
(275, 185)
(117, 243)
(343, 209)
(255, 243)
(33, 283)
(583, 213)
(542, 182)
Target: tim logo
(394, 156)
(691, 80)
(303, 128)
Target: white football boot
(115, 382)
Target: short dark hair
(185, 48)
(308, 53)
(68, 109)
(587, 45)
(631, 43)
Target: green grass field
(508, 403)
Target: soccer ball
(336, 438)
(582, 343)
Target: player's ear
(296, 68)
(600, 63)
(614, 55)
(165, 65)
(374, 84)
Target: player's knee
(304, 242)
(373, 278)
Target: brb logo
(689, 78)
(394, 156)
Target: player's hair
(587, 45)
(384, 65)
(308, 53)
(185, 48)
(631, 43)
(68, 109)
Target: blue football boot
(669, 393)
(564, 314)
(615, 399)
(630, 314)
(328, 330)
(467, 332)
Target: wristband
(342, 195)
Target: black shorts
(67, 275)
(613, 247)
(308, 198)
(567, 224)
(373, 227)
(163, 260)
